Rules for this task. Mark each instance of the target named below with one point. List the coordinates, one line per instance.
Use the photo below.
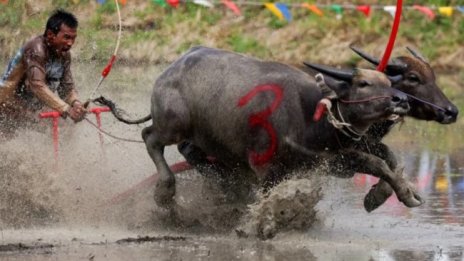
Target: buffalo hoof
(164, 192)
(378, 194)
(409, 196)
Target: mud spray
(76, 190)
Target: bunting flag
(173, 3)
(122, 2)
(445, 11)
(391, 9)
(365, 9)
(232, 6)
(313, 8)
(273, 8)
(285, 11)
(161, 3)
(426, 10)
(282, 11)
(205, 3)
(338, 9)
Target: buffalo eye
(413, 78)
(364, 83)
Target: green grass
(193, 24)
(243, 44)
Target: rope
(111, 135)
(334, 121)
(426, 102)
(365, 100)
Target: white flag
(391, 9)
(203, 3)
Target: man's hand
(77, 111)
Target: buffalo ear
(339, 87)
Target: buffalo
(250, 113)
(415, 77)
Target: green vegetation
(258, 32)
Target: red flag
(427, 11)
(173, 3)
(366, 9)
(232, 6)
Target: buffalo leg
(196, 157)
(381, 191)
(367, 163)
(166, 184)
(235, 186)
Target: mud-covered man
(40, 75)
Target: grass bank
(156, 34)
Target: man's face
(63, 40)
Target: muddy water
(94, 202)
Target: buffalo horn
(416, 54)
(392, 66)
(364, 55)
(343, 75)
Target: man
(39, 69)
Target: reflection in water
(439, 178)
(440, 181)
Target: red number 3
(260, 119)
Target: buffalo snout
(449, 114)
(399, 102)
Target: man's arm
(67, 90)
(36, 82)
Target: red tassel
(321, 108)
